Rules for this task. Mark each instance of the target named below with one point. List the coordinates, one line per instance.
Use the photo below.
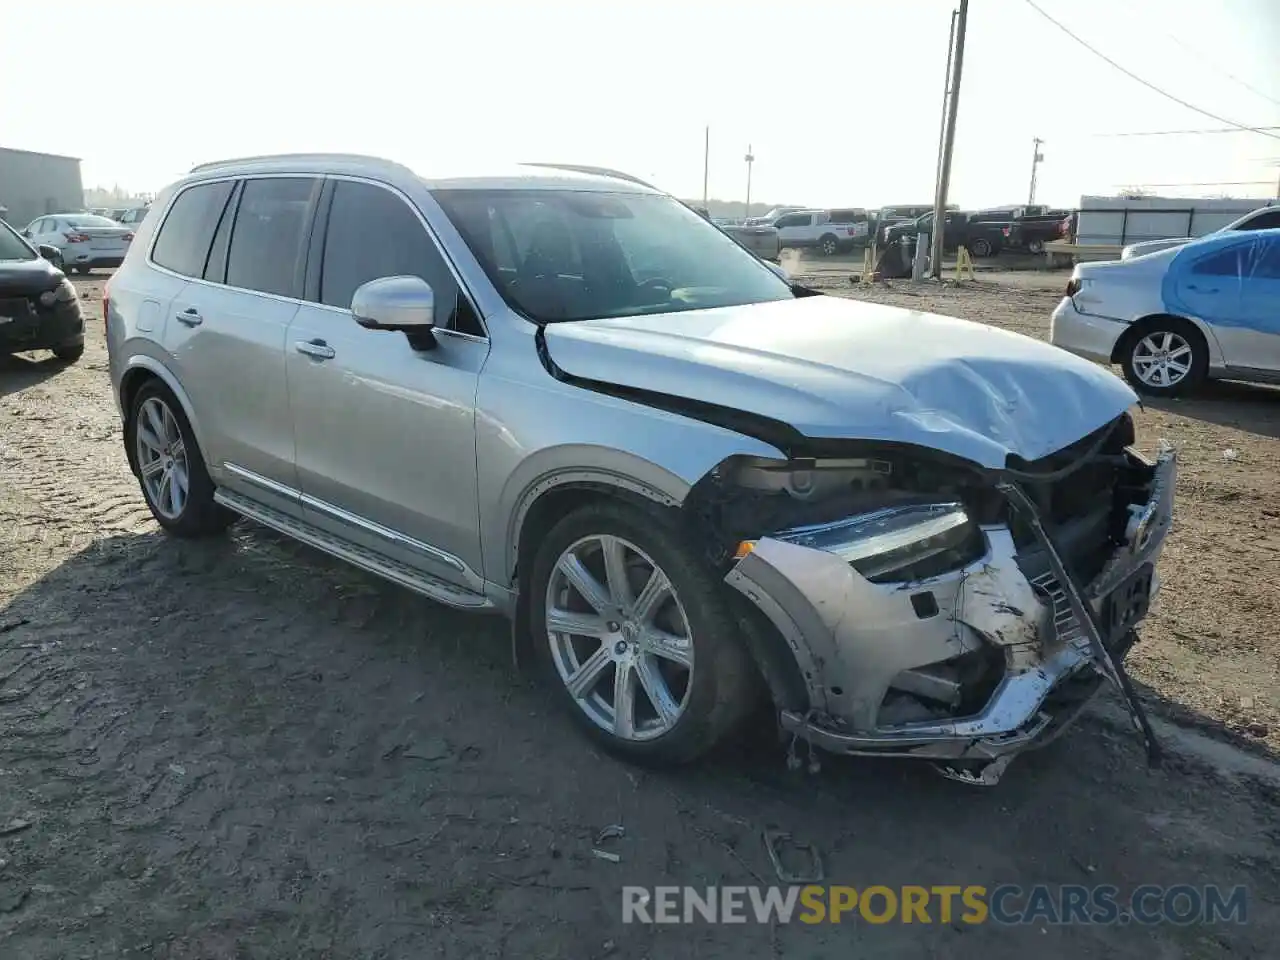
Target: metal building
(33, 184)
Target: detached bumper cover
(852, 638)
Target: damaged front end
(937, 609)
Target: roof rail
(597, 171)
(263, 158)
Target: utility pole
(1036, 157)
(750, 158)
(948, 143)
(706, 163)
(946, 92)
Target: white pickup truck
(831, 231)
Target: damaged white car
(569, 399)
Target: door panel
(385, 433)
(228, 354)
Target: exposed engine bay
(936, 608)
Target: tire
(197, 515)
(1035, 246)
(69, 354)
(1142, 349)
(83, 270)
(829, 245)
(702, 704)
(980, 247)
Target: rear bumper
(867, 650)
(74, 255)
(1082, 334)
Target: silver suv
(569, 399)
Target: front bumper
(25, 326)
(865, 649)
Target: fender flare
(142, 361)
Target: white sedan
(85, 241)
(1171, 319)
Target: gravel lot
(240, 748)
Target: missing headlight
(899, 544)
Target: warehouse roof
(38, 153)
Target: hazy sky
(840, 99)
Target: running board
(401, 573)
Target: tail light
(76, 237)
(1073, 287)
(1005, 231)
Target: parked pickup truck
(760, 238)
(982, 238)
(831, 231)
(1032, 232)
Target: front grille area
(16, 308)
(1065, 622)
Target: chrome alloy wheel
(162, 458)
(1162, 359)
(620, 639)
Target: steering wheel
(661, 284)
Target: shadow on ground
(17, 373)
(241, 748)
(1244, 406)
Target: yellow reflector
(745, 547)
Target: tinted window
(848, 216)
(183, 241)
(373, 233)
(1264, 221)
(267, 238)
(792, 220)
(1267, 264)
(571, 255)
(1224, 263)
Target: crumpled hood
(837, 368)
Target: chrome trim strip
(355, 520)
(347, 517)
(258, 480)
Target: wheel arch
(142, 368)
(1147, 322)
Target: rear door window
(1264, 221)
(182, 245)
(269, 236)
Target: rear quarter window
(182, 244)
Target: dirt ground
(241, 748)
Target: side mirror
(778, 271)
(27, 234)
(50, 253)
(405, 304)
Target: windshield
(12, 246)
(558, 255)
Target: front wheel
(830, 245)
(980, 247)
(69, 354)
(1166, 358)
(1035, 246)
(636, 633)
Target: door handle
(191, 317)
(314, 348)
(1192, 286)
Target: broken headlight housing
(899, 544)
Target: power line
(1147, 83)
(1176, 133)
(1206, 62)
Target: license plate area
(1127, 604)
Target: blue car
(1172, 319)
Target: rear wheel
(637, 635)
(170, 467)
(980, 247)
(1165, 357)
(1035, 246)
